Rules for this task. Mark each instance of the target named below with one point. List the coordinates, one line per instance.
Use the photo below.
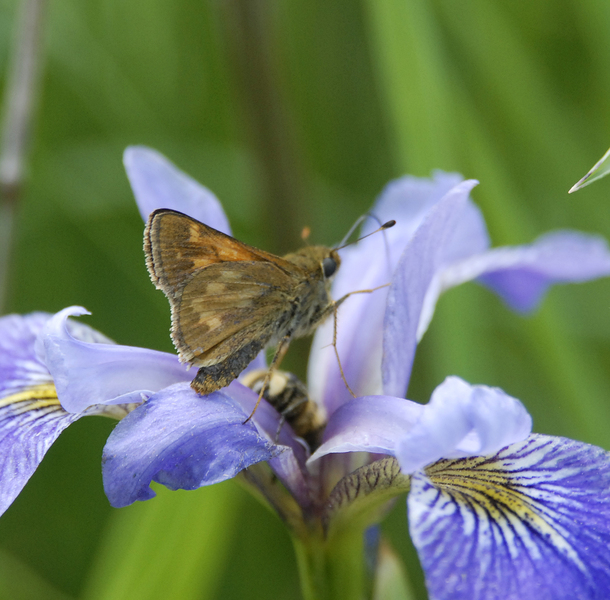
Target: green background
(295, 113)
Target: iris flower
(495, 511)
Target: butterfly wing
(228, 299)
(177, 245)
(226, 317)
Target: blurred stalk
(253, 52)
(19, 103)
(174, 546)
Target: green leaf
(600, 169)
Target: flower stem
(331, 570)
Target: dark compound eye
(329, 266)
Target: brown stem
(253, 53)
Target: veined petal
(462, 420)
(88, 373)
(369, 264)
(531, 522)
(30, 421)
(426, 254)
(158, 183)
(183, 441)
(369, 424)
(31, 417)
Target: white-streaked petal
(158, 183)
(462, 420)
(95, 373)
(31, 417)
(531, 522)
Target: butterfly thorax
(312, 300)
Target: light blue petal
(531, 522)
(462, 420)
(369, 424)
(96, 373)
(182, 440)
(521, 275)
(158, 183)
(20, 367)
(369, 264)
(425, 255)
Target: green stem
(331, 570)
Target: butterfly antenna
(383, 227)
(305, 235)
(352, 229)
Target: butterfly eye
(329, 266)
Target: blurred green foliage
(294, 114)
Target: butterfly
(230, 300)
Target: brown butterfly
(230, 300)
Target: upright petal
(88, 373)
(158, 183)
(432, 246)
(531, 522)
(369, 264)
(183, 441)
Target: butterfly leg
(335, 309)
(282, 348)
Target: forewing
(178, 246)
(226, 307)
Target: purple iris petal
(369, 424)
(158, 183)
(426, 253)
(521, 275)
(183, 441)
(95, 373)
(369, 264)
(28, 428)
(529, 523)
(462, 420)
(31, 417)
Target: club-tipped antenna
(383, 227)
